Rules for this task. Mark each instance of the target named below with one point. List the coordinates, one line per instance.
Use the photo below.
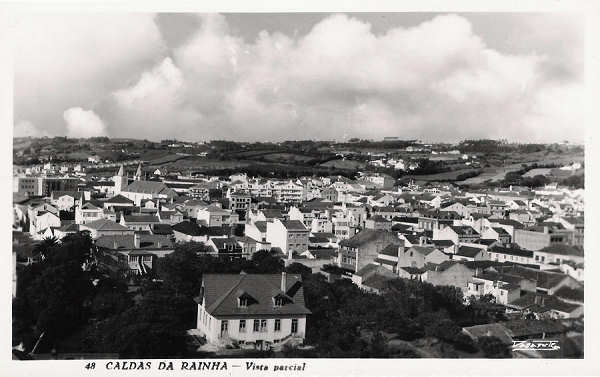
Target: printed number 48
(90, 365)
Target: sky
(252, 77)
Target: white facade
(250, 329)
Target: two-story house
(259, 311)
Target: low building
(105, 227)
(419, 256)
(290, 236)
(378, 223)
(469, 253)
(260, 311)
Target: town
(360, 248)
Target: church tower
(120, 181)
(138, 173)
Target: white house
(261, 311)
(290, 236)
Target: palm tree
(46, 244)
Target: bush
(493, 347)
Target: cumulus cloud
(83, 123)
(155, 106)
(438, 80)
(66, 60)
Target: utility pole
(37, 343)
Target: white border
(332, 367)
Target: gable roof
(261, 226)
(487, 241)
(221, 292)
(379, 281)
(562, 249)
(445, 265)
(390, 250)
(141, 219)
(512, 251)
(464, 230)
(77, 195)
(295, 225)
(569, 293)
(372, 268)
(424, 250)
(272, 213)
(515, 224)
(89, 205)
(222, 243)
(150, 187)
(442, 243)
(545, 279)
(105, 225)
(127, 241)
(164, 229)
(119, 199)
(491, 329)
(365, 236)
(468, 251)
(500, 231)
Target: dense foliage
(79, 307)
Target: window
(243, 302)
(294, 325)
(277, 325)
(224, 326)
(242, 325)
(278, 301)
(263, 325)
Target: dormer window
(243, 302)
(278, 301)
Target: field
(166, 159)
(445, 176)
(343, 164)
(497, 173)
(195, 163)
(539, 171)
(286, 157)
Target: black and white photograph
(227, 189)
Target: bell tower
(138, 173)
(120, 180)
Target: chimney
(283, 281)
(136, 240)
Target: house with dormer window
(258, 311)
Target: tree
(493, 347)
(43, 248)
(111, 298)
(181, 271)
(265, 262)
(300, 269)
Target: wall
(211, 327)
(531, 240)
(457, 276)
